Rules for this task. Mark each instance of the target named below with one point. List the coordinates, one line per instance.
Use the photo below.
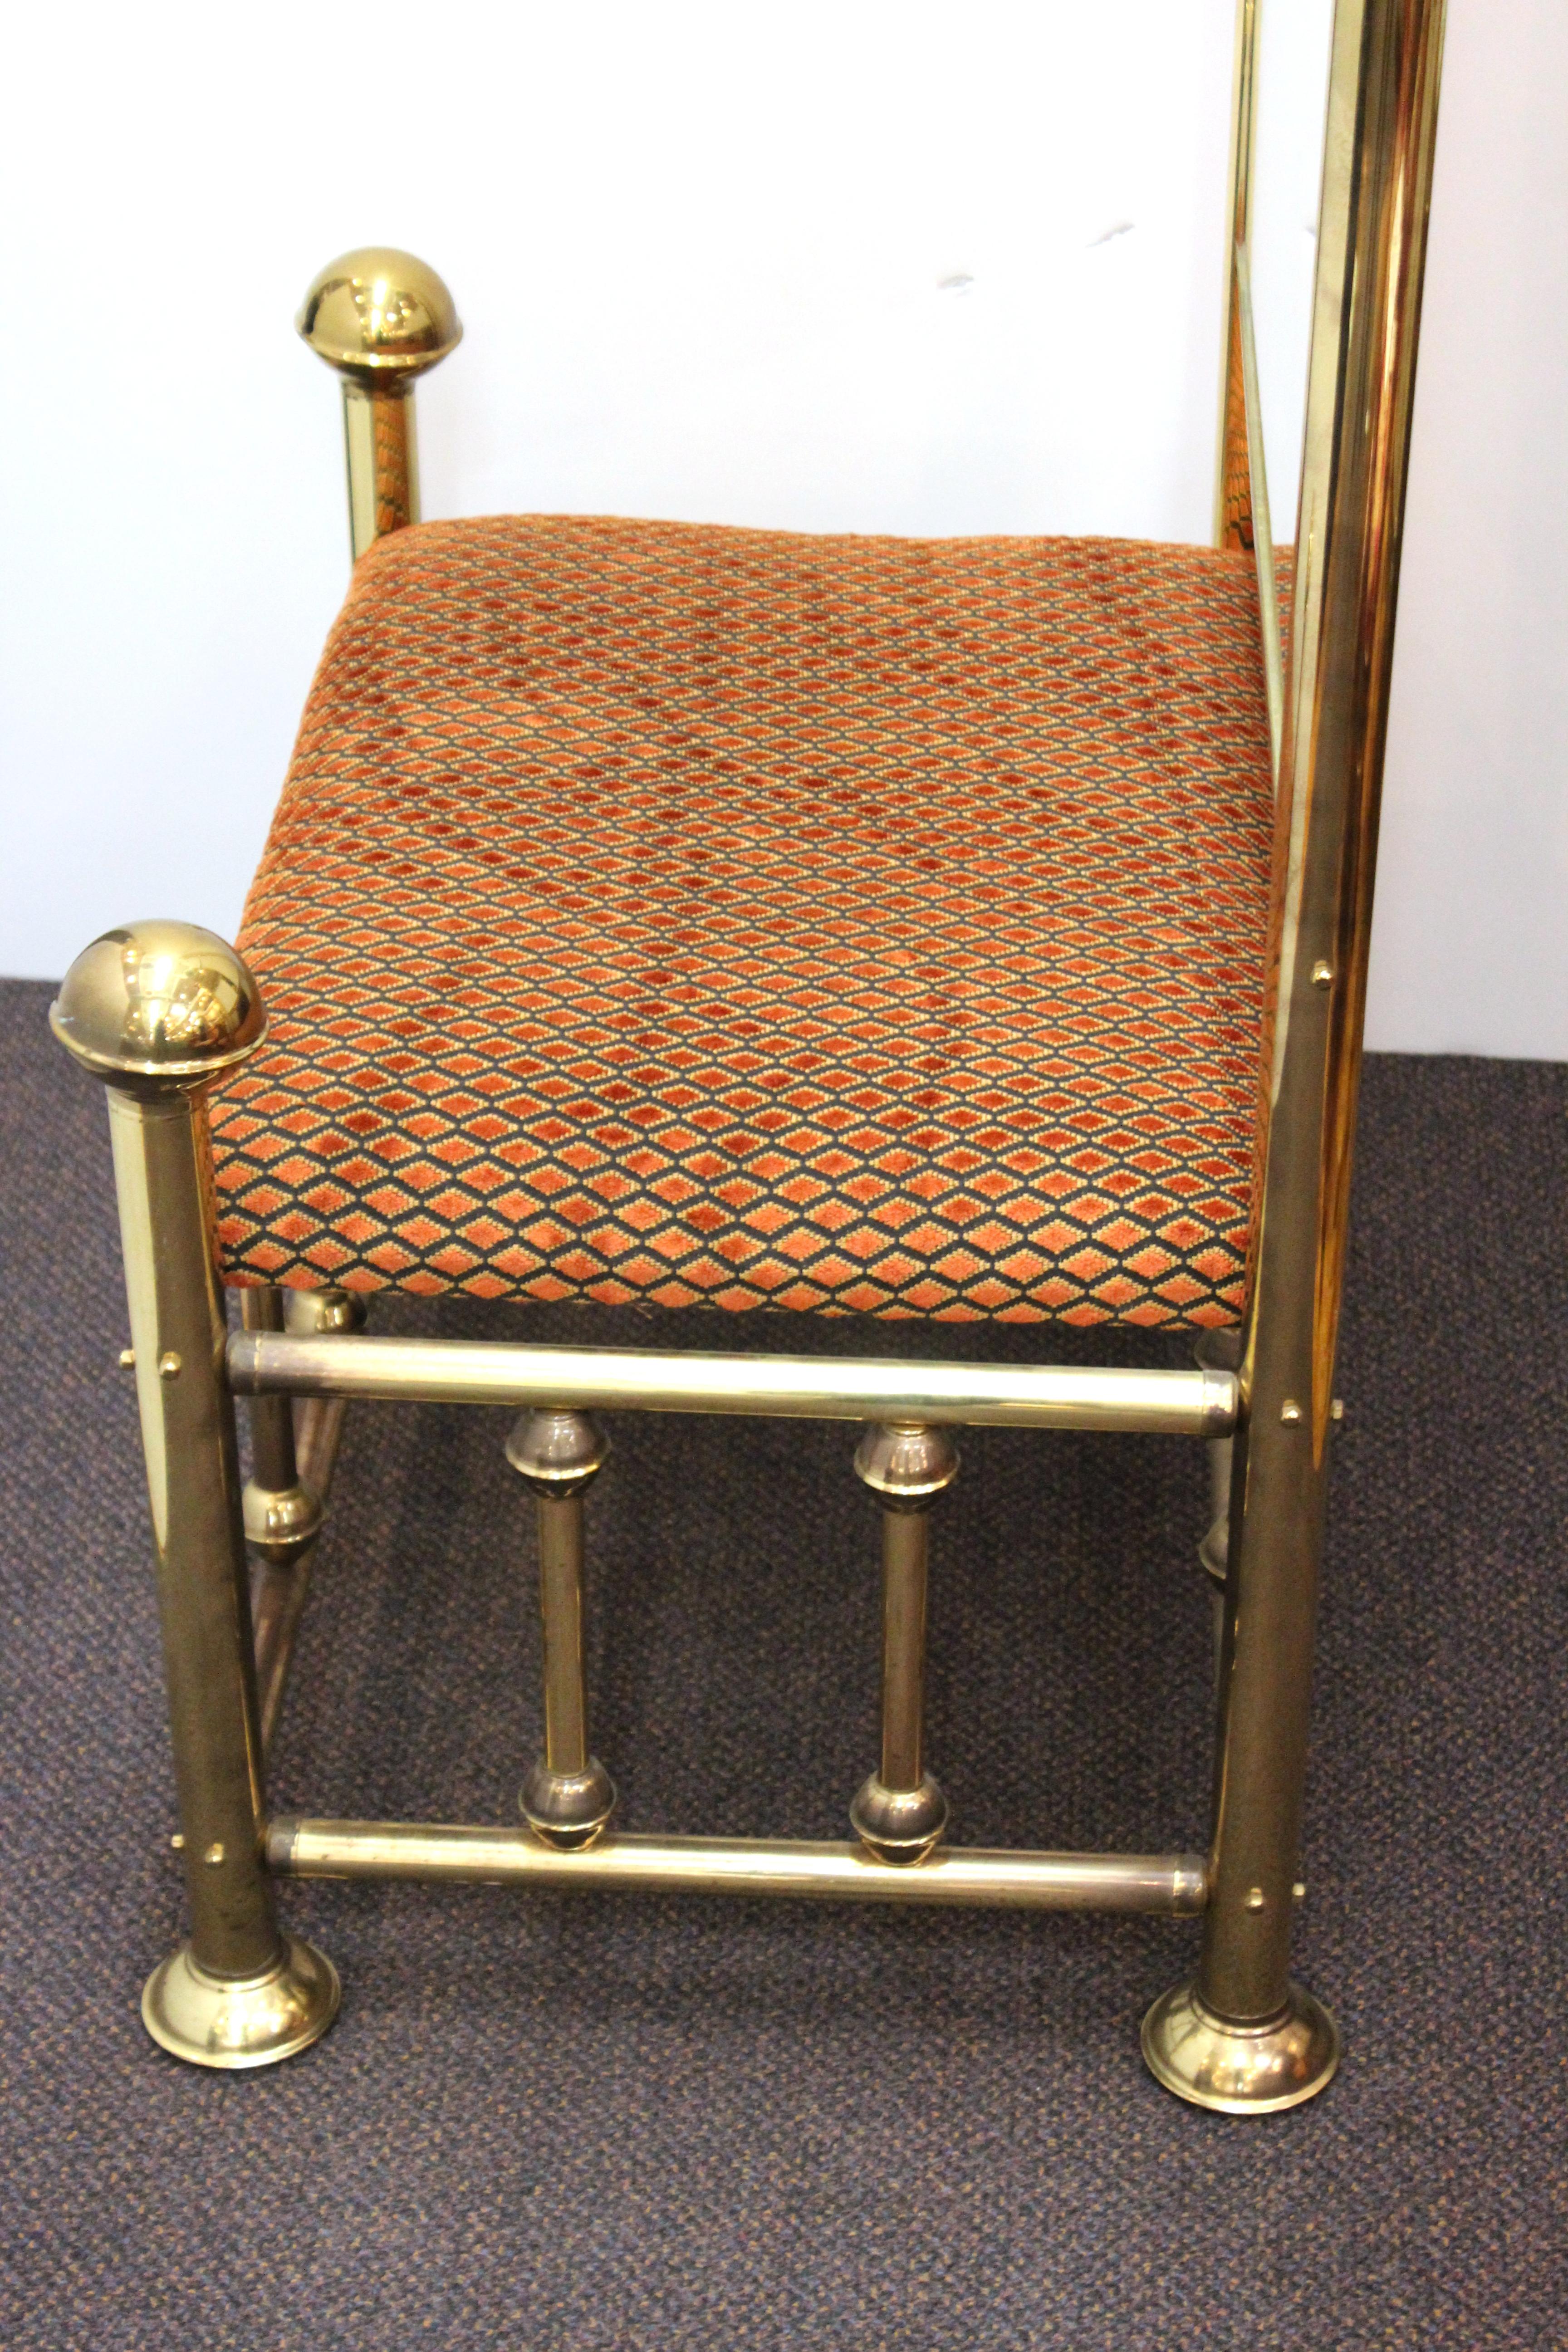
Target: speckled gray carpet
(545, 2122)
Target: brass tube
(560, 1607)
(1262, 522)
(1196, 1403)
(278, 1594)
(177, 1328)
(905, 1552)
(749, 1866)
(382, 447)
(1382, 95)
(1234, 514)
(273, 1463)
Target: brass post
(1242, 2037)
(381, 318)
(1233, 495)
(900, 1814)
(567, 1796)
(158, 1011)
(283, 1525)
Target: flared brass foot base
(899, 1825)
(568, 1809)
(1241, 2070)
(232, 2022)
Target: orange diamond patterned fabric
(683, 914)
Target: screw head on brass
(169, 1365)
(151, 1006)
(380, 316)
(128, 1359)
(214, 1853)
(1322, 975)
(1253, 1899)
(1290, 1411)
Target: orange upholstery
(684, 914)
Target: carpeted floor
(544, 2122)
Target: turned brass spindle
(381, 318)
(901, 1813)
(567, 1796)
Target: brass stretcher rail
(1166, 1883)
(1200, 1402)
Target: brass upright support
(157, 1011)
(381, 318)
(281, 1581)
(900, 1814)
(1233, 500)
(567, 1796)
(1242, 2037)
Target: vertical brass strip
(1233, 518)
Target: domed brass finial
(379, 317)
(164, 1004)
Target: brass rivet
(215, 1852)
(1322, 975)
(178, 1842)
(1289, 1410)
(1299, 1891)
(1338, 1409)
(168, 1365)
(127, 1360)
(1254, 1898)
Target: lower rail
(1202, 1403)
(973, 1876)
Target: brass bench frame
(157, 1011)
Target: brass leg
(281, 1515)
(901, 1813)
(297, 1448)
(567, 1796)
(1241, 2037)
(156, 1012)
(1218, 1351)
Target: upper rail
(1201, 1402)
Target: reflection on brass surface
(166, 1002)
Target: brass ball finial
(159, 1003)
(380, 316)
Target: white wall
(835, 264)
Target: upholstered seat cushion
(681, 914)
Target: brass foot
(232, 2022)
(899, 1825)
(1240, 2070)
